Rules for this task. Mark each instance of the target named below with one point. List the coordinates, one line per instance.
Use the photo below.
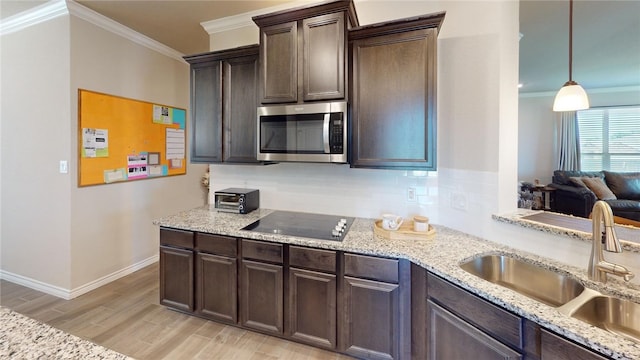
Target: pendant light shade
(571, 96)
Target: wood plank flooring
(126, 316)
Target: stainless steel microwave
(303, 132)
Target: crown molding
(55, 8)
(227, 23)
(245, 19)
(115, 27)
(36, 15)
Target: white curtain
(567, 142)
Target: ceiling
(606, 44)
(606, 34)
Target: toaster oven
(237, 200)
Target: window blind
(609, 138)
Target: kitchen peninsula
(434, 266)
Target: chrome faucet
(598, 267)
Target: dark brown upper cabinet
(393, 94)
(223, 105)
(303, 52)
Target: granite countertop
(568, 225)
(440, 255)
(25, 338)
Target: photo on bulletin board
(123, 139)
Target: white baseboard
(70, 294)
(35, 284)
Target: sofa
(577, 191)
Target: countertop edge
(517, 218)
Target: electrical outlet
(411, 194)
(459, 201)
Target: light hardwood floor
(126, 316)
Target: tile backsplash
(331, 189)
(460, 199)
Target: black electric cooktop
(314, 226)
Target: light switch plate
(64, 166)
(411, 194)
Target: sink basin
(618, 316)
(533, 281)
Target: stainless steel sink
(618, 316)
(533, 281)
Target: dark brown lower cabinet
(374, 321)
(261, 297)
(365, 306)
(312, 307)
(371, 319)
(454, 338)
(555, 347)
(456, 317)
(217, 287)
(176, 278)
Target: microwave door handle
(325, 132)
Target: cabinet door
(206, 112)
(312, 302)
(176, 278)
(240, 78)
(393, 101)
(261, 297)
(370, 320)
(217, 289)
(553, 347)
(323, 57)
(279, 63)
(450, 337)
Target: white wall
(537, 132)
(36, 132)
(111, 225)
(57, 237)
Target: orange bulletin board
(121, 139)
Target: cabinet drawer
(315, 259)
(178, 238)
(216, 244)
(495, 321)
(369, 267)
(259, 250)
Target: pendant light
(571, 96)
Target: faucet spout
(615, 269)
(598, 267)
